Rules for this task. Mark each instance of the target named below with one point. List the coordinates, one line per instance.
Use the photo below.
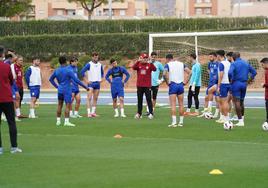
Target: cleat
(15, 150)
(123, 116)
(220, 121)
(151, 116)
(172, 126)
(137, 116)
(89, 116)
(17, 119)
(58, 123)
(69, 124)
(32, 117)
(73, 116)
(180, 125)
(94, 115)
(116, 115)
(147, 114)
(234, 118)
(240, 124)
(202, 115)
(78, 116)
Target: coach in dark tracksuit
(6, 103)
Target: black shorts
(154, 92)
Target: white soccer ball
(228, 125)
(265, 126)
(208, 115)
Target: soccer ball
(208, 115)
(265, 126)
(228, 125)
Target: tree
(91, 5)
(9, 8)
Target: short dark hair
(264, 60)
(62, 60)
(193, 55)
(7, 56)
(169, 56)
(35, 58)
(212, 53)
(220, 53)
(73, 59)
(2, 51)
(112, 60)
(230, 54)
(95, 54)
(236, 55)
(153, 53)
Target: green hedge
(48, 46)
(128, 26)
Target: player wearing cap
(144, 83)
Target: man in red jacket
(144, 83)
(6, 103)
(264, 62)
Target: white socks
(88, 111)
(116, 111)
(75, 113)
(181, 120)
(122, 111)
(174, 120)
(58, 119)
(18, 112)
(32, 113)
(71, 113)
(210, 104)
(93, 110)
(66, 120)
(188, 110)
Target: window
(138, 12)
(59, 12)
(70, 12)
(122, 12)
(198, 1)
(198, 11)
(207, 11)
(207, 1)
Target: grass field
(148, 155)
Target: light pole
(110, 9)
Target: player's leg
(181, 109)
(71, 108)
(172, 102)
(17, 105)
(10, 115)
(224, 90)
(21, 93)
(211, 92)
(140, 92)
(89, 99)
(266, 104)
(96, 93)
(1, 148)
(32, 107)
(77, 105)
(116, 112)
(190, 100)
(149, 102)
(154, 96)
(68, 103)
(121, 95)
(196, 99)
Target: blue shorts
(117, 92)
(224, 90)
(14, 90)
(75, 91)
(35, 91)
(176, 89)
(239, 89)
(94, 85)
(65, 96)
(209, 86)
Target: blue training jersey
(213, 72)
(75, 71)
(65, 77)
(240, 70)
(117, 75)
(155, 74)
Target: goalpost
(252, 44)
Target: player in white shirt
(94, 77)
(174, 78)
(34, 81)
(224, 86)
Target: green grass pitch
(148, 155)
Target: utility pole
(110, 9)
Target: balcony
(202, 5)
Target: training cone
(118, 136)
(216, 172)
